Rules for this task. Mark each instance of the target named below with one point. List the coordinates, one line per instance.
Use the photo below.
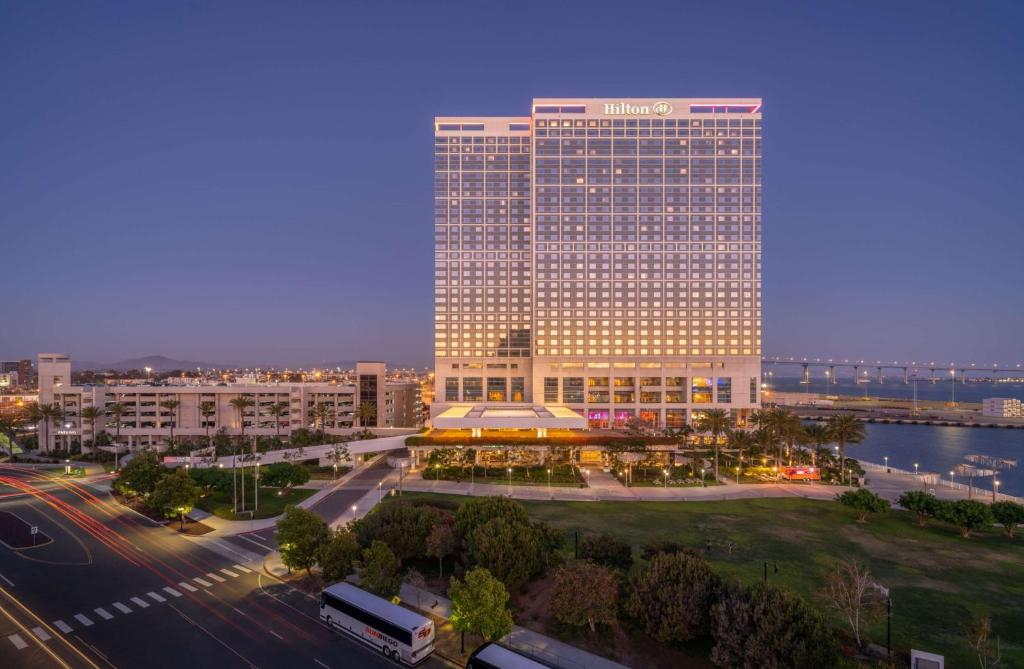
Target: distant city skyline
(241, 186)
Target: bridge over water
(910, 370)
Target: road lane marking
(229, 573)
(157, 597)
(172, 592)
(18, 642)
(202, 582)
(212, 636)
(321, 663)
(244, 570)
(103, 613)
(276, 634)
(228, 548)
(7, 580)
(254, 542)
(122, 608)
(41, 633)
(62, 626)
(186, 586)
(141, 603)
(215, 577)
(83, 619)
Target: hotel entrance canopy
(477, 417)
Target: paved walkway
(893, 482)
(544, 648)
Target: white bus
(493, 656)
(396, 632)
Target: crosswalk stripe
(186, 586)
(141, 603)
(41, 633)
(122, 608)
(18, 642)
(215, 577)
(229, 573)
(103, 613)
(202, 582)
(62, 626)
(83, 619)
(244, 570)
(156, 597)
(172, 592)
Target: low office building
(141, 414)
(1002, 407)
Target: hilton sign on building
(601, 256)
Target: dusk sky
(252, 183)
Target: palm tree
(786, 427)
(277, 410)
(367, 412)
(9, 424)
(845, 429)
(172, 406)
(92, 414)
(741, 441)
(44, 415)
(320, 414)
(206, 410)
(819, 435)
(241, 403)
(717, 422)
(681, 437)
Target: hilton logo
(626, 109)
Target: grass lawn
(938, 580)
(271, 504)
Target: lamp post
(353, 513)
(335, 472)
(549, 481)
(952, 389)
(915, 469)
(849, 476)
(665, 472)
(951, 480)
(828, 381)
(887, 464)
(256, 486)
(509, 481)
(380, 491)
(995, 490)
(703, 482)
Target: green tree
(511, 552)
(141, 474)
(91, 415)
(672, 596)
(441, 544)
(604, 549)
(321, 414)
(474, 512)
(1008, 514)
(770, 628)
(818, 434)
(241, 404)
(585, 593)
(46, 415)
(10, 423)
(404, 527)
(845, 429)
(741, 441)
(301, 535)
(864, 502)
(480, 605)
(277, 410)
(172, 406)
(379, 570)
(283, 474)
(174, 495)
(207, 410)
(716, 422)
(967, 514)
(116, 410)
(338, 555)
(919, 502)
(367, 414)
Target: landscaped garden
(941, 583)
(518, 476)
(272, 502)
(659, 477)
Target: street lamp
(335, 472)
(380, 492)
(952, 390)
(256, 486)
(828, 380)
(995, 490)
(353, 512)
(737, 475)
(509, 480)
(887, 464)
(915, 469)
(950, 479)
(703, 483)
(665, 472)
(549, 481)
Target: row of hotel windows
(650, 123)
(702, 390)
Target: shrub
(606, 550)
(480, 605)
(584, 594)
(378, 570)
(475, 512)
(673, 595)
(770, 628)
(967, 514)
(402, 526)
(1008, 514)
(282, 474)
(511, 552)
(864, 502)
(141, 474)
(338, 555)
(919, 502)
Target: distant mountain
(159, 363)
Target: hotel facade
(598, 261)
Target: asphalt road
(330, 508)
(114, 589)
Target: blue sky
(250, 182)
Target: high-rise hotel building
(601, 255)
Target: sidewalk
(544, 648)
(893, 482)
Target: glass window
(497, 388)
(597, 381)
(753, 390)
(472, 389)
(650, 398)
(625, 397)
(675, 381)
(724, 390)
(597, 396)
(675, 396)
(700, 391)
(451, 390)
(675, 418)
(650, 381)
(625, 381)
(551, 389)
(518, 389)
(572, 390)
